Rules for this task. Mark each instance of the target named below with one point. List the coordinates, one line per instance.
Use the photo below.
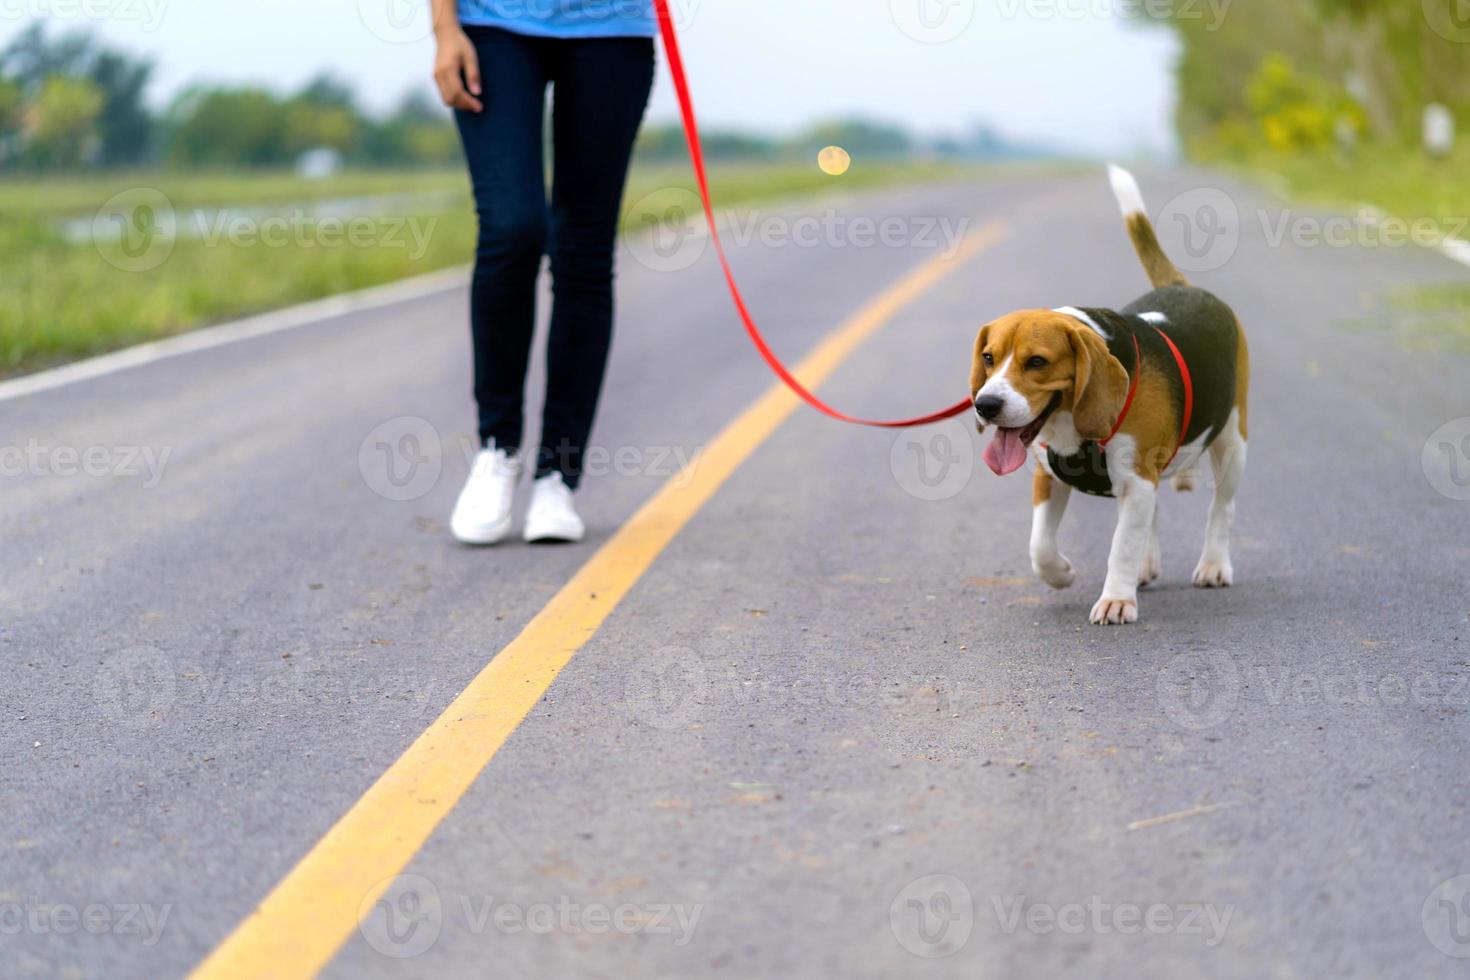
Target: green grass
(62, 297)
(1431, 317)
(38, 197)
(1405, 184)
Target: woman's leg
(602, 88)
(503, 146)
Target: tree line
(69, 101)
(1301, 76)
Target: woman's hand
(457, 69)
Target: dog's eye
(989, 361)
(1036, 362)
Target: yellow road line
(302, 923)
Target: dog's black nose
(989, 406)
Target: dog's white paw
(1056, 571)
(1114, 612)
(1212, 574)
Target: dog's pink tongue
(1006, 452)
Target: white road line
(229, 333)
(1457, 249)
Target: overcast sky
(1070, 72)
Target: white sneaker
(482, 513)
(552, 516)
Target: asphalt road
(836, 729)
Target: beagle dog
(1114, 402)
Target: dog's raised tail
(1161, 271)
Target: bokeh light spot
(834, 161)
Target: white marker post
(1439, 130)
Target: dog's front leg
(1049, 498)
(1137, 498)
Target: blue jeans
(601, 91)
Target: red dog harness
(1188, 394)
(1188, 412)
(1132, 390)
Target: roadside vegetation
(123, 221)
(1329, 96)
(93, 263)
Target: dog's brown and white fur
(1059, 379)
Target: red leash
(696, 157)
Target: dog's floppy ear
(1100, 388)
(978, 370)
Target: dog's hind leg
(1227, 459)
(1049, 498)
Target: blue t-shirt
(563, 18)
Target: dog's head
(1032, 364)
